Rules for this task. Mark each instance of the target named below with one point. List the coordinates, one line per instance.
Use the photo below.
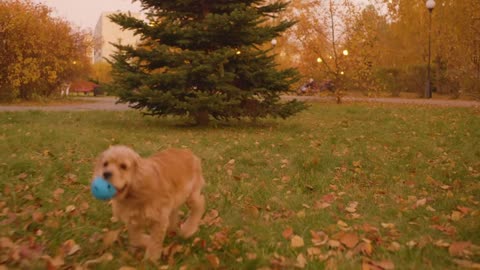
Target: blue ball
(102, 189)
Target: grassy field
(337, 187)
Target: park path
(407, 101)
(108, 103)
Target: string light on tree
(345, 52)
(319, 60)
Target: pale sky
(85, 13)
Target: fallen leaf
(342, 224)
(456, 215)
(57, 193)
(296, 242)
(110, 237)
(394, 246)
(467, 264)
(301, 261)
(441, 243)
(287, 233)
(104, 258)
(127, 268)
(22, 176)
(319, 238)
(429, 208)
(38, 216)
(334, 243)
(70, 247)
(364, 248)
(464, 210)
(70, 208)
(388, 225)
(352, 207)
(53, 263)
(385, 264)
(411, 244)
(421, 202)
(458, 248)
(350, 240)
(251, 256)
(312, 251)
(213, 260)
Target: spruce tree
(203, 59)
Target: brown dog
(150, 192)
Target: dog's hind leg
(173, 221)
(196, 203)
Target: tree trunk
(201, 118)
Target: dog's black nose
(107, 175)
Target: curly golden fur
(150, 192)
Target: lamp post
(430, 4)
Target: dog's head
(118, 165)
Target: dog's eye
(123, 166)
(105, 164)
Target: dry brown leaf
(364, 248)
(127, 268)
(301, 261)
(441, 243)
(6, 242)
(53, 263)
(421, 202)
(352, 207)
(213, 260)
(456, 215)
(368, 264)
(387, 225)
(70, 247)
(296, 242)
(22, 176)
(251, 256)
(104, 258)
(458, 248)
(110, 237)
(57, 193)
(287, 233)
(38, 216)
(467, 264)
(394, 246)
(312, 251)
(350, 240)
(70, 208)
(385, 264)
(319, 238)
(342, 224)
(334, 243)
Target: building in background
(107, 32)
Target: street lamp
(345, 52)
(430, 4)
(274, 42)
(319, 60)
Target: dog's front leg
(136, 235)
(159, 229)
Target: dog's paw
(187, 230)
(142, 241)
(153, 253)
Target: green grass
(386, 158)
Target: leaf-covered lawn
(337, 187)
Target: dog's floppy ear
(98, 165)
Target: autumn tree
(204, 59)
(454, 35)
(38, 53)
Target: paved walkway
(108, 103)
(412, 101)
(91, 104)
